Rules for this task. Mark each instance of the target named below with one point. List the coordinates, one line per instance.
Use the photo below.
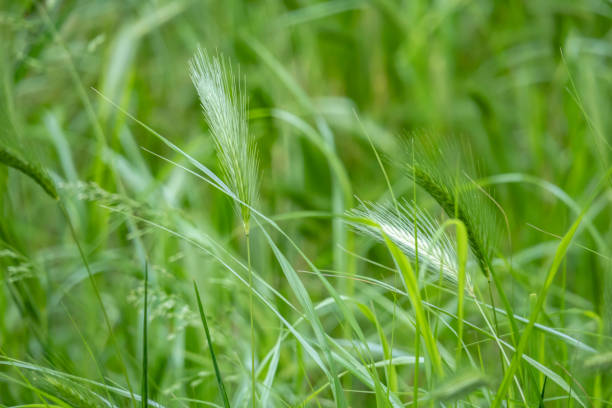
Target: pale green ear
(224, 105)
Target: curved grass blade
(415, 298)
(7, 361)
(391, 372)
(304, 298)
(462, 249)
(226, 403)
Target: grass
(379, 204)
(225, 108)
(210, 347)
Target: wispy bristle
(435, 167)
(435, 249)
(224, 105)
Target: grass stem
(253, 373)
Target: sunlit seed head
(435, 249)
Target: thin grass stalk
(496, 325)
(462, 248)
(101, 142)
(390, 371)
(412, 287)
(220, 385)
(499, 343)
(224, 105)
(514, 365)
(417, 340)
(145, 356)
(341, 194)
(380, 163)
(392, 375)
(217, 183)
(99, 368)
(98, 298)
(253, 374)
(27, 381)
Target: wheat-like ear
(435, 249)
(446, 182)
(224, 105)
(13, 152)
(31, 169)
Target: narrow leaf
(520, 349)
(226, 403)
(145, 380)
(411, 284)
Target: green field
(291, 203)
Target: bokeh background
(525, 85)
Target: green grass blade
(462, 254)
(98, 296)
(272, 370)
(380, 164)
(411, 283)
(226, 403)
(541, 405)
(145, 357)
(304, 298)
(523, 341)
(340, 200)
(93, 357)
(390, 370)
(550, 188)
(6, 361)
(335, 164)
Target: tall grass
(224, 105)
(299, 250)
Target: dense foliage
(379, 203)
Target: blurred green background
(526, 85)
